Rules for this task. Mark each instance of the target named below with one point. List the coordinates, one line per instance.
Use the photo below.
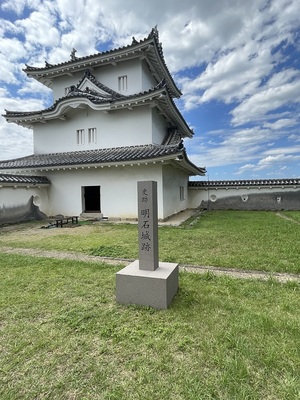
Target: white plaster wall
(148, 80)
(118, 189)
(115, 129)
(173, 178)
(196, 196)
(132, 68)
(108, 75)
(159, 127)
(18, 196)
(61, 83)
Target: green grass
(62, 336)
(244, 240)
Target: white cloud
(265, 101)
(232, 77)
(3, 93)
(239, 71)
(16, 6)
(283, 151)
(242, 145)
(33, 88)
(282, 78)
(7, 71)
(12, 49)
(278, 160)
(20, 141)
(233, 53)
(246, 168)
(235, 147)
(281, 123)
(39, 29)
(18, 104)
(7, 27)
(16, 141)
(294, 137)
(281, 160)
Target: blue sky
(237, 63)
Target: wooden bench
(65, 220)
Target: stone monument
(147, 281)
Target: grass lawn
(62, 336)
(245, 240)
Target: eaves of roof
(245, 183)
(188, 165)
(150, 48)
(23, 180)
(118, 156)
(93, 99)
(158, 94)
(91, 157)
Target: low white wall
(11, 196)
(246, 198)
(21, 203)
(196, 197)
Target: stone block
(147, 288)
(148, 225)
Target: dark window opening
(91, 196)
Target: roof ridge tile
(248, 182)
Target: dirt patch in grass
(287, 218)
(240, 274)
(257, 245)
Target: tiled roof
(110, 100)
(150, 46)
(153, 34)
(245, 183)
(94, 97)
(171, 137)
(111, 93)
(101, 156)
(26, 179)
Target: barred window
(92, 135)
(80, 136)
(181, 193)
(122, 83)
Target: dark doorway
(91, 199)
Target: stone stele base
(147, 288)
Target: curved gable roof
(101, 97)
